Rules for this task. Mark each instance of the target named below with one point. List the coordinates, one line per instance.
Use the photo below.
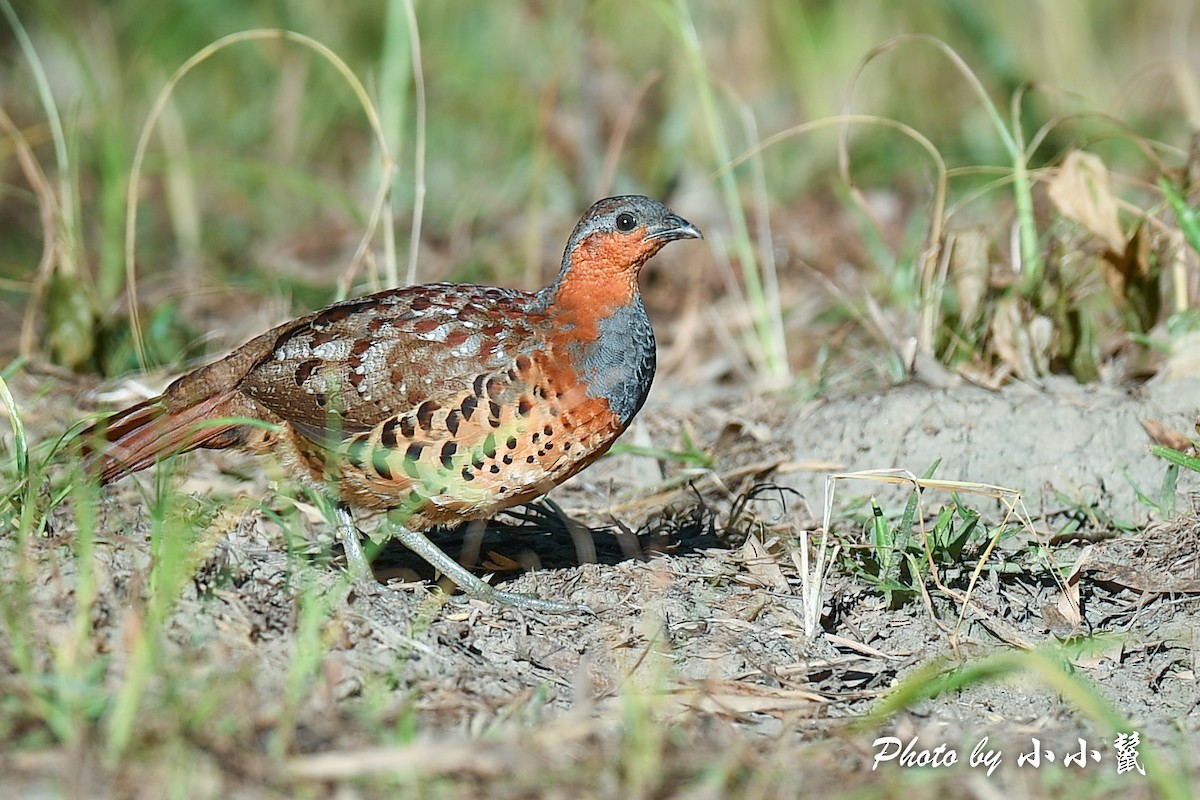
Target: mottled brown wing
(349, 367)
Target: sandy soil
(698, 619)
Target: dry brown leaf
(1129, 275)
(762, 565)
(969, 269)
(1068, 599)
(1144, 580)
(1082, 192)
(1168, 437)
(1024, 345)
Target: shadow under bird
(440, 403)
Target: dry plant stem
(156, 111)
(46, 212)
(1022, 195)
(774, 358)
(1015, 507)
(356, 559)
(624, 123)
(67, 230)
(929, 258)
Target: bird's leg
(473, 585)
(356, 559)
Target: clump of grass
(1078, 291)
(360, 92)
(758, 269)
(905, 556)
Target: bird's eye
(626, 222)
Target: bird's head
(608, 247)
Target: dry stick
(157, 109)
(46, 211)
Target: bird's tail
(137, 437)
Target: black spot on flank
(524, 406)
(452, 420)
(508, 459)
(494, 409)
(494, 469)
(494, 422)
(448, 451)
(387, 437)
(379, 462)
(305, 371)
(414, 451)
(549, 431)
(567, 446)
(467, 474)
(529, 459)
(477, 463)
(511, 444)
(512, 375)
(536, 437)
(549, 445)
(541, 453)
(480, 382)
(425, 413)
(408, 428)
(469, 405)
(320, 399)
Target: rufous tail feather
(137, 437)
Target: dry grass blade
(47, 211)
(157, 110)
(426, 759)
(1014, 508)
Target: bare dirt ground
(698, 620)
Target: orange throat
(602, 277)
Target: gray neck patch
(619, 365)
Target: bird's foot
(475, 587)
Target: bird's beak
(671, 227)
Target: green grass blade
(1185, 215)
(1176, 457)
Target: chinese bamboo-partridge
(442, 403)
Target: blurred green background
(260, 177)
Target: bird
(440, 403)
